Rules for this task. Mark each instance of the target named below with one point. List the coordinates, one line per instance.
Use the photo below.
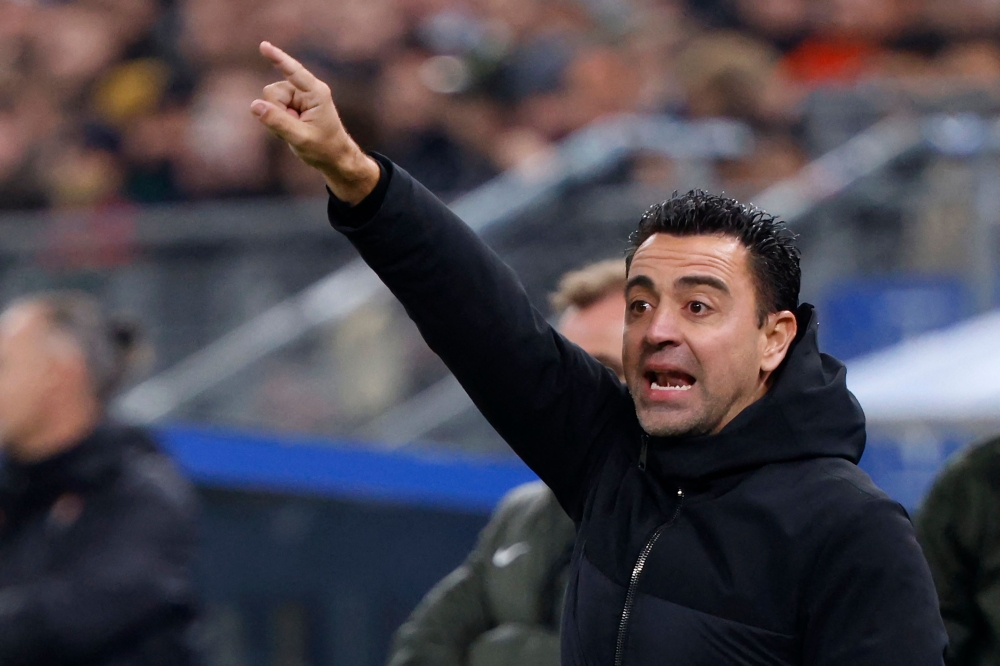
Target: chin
(679, 426)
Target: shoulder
(962, 500)
(530, 497)
(857, 516)
(977, 465)
(848, 483)
(830, 487)
(826, 502)
(530, 509)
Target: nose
(664, 329)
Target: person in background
(959, 530)
(97, 528)
(503, 605)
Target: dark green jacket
(502, 606)
(959, 529)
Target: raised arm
(551, 401)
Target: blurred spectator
(459, 90)
(503, 606)
(223, 153)
(96, 526)
(960, 534)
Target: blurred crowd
(146, 101)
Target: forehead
(603, 314)
(668, 257)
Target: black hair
(774, 258)
(113, 346)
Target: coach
(721, 516)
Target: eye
(638, 307)
(697, 307)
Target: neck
(762, 388)
(58, 433)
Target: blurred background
(342, 470)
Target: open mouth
(673, 380)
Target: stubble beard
(703, 422)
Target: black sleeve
(553, 403)
(871, 601)
(354, 216)
(136, 576)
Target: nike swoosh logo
(505, 556)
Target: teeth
(657, 387)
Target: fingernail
(258, 108)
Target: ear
(778, 332)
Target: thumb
(280, 123)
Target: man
(96, 526)
(721, 515)
(502, 606)
(960, 534)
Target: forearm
(546, 397)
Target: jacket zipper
(633, 584)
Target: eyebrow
(639, 281)
(702, 281)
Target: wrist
(352, 176)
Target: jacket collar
(93, 462)
(807, 413)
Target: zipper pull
(680, 493)
(642, 453)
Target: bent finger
(281, 93)
(275, 118)
(293, 70)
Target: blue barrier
(862, 315)
(906, 472)
(223, 458)
(219, 457)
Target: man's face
(694, 355)
(27, 372)
(597, 329)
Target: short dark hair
(774, 258)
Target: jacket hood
(807, 413)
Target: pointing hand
(300, 111)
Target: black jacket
(959, 528)
(764, 544)
(96, 548)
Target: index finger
(297, 75)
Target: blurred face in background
(41, 372)
(695, 353)
(223, 150)
(597, 329)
